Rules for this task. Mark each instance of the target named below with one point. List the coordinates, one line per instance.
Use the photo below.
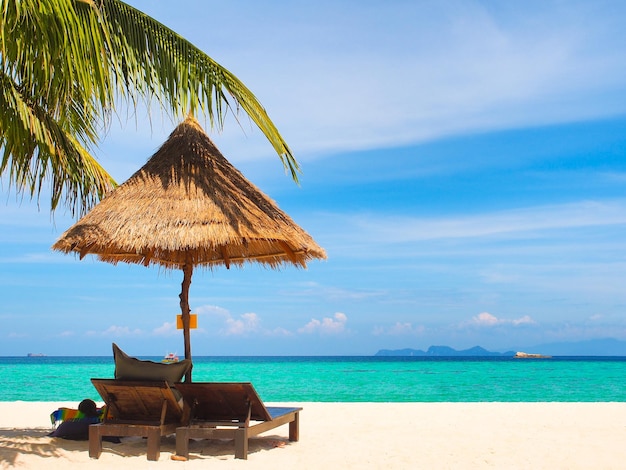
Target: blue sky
(464, 166)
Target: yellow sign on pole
(193, 321)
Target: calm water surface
(347, 379)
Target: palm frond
(156, 61)
(63, 65)
(38, 149)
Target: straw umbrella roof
(189, 206)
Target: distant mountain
(442, 351)
(593, 347)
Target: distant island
(594, 347)
(443, 351)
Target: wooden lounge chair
(229, 411)
(136, 408)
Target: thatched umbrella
(188, 206)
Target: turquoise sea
(347, 379)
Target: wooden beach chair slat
(230, 410)
(136, 408)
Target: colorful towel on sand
(68, 414)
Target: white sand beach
(359, 436)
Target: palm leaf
(37, 148)
(157, 62)
(64, 64)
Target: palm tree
(66, 64)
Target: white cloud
(246, 323)
(211, 310)
(326, 326)
(525, 320)
(488, 320)
(485, 318)
(166, 329)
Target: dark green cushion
(74, 429)
(131, 368)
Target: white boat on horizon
(170, 357)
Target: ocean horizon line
(398, 358)
(346, 378)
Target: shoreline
(438, 435)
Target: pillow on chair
(74, 429)
(130, 368)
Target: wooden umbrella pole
(185, 311)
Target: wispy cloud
(390, 229)
(332, 292)
(402, 85)
(116, 331)
(211, 311)
(14, 335)
(399, 329)
(35, 258)
(444, 68)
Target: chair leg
(182, 442)
(294, 428)
(241, 443)
(95, 441)
(154, 444)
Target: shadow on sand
(35, 442)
